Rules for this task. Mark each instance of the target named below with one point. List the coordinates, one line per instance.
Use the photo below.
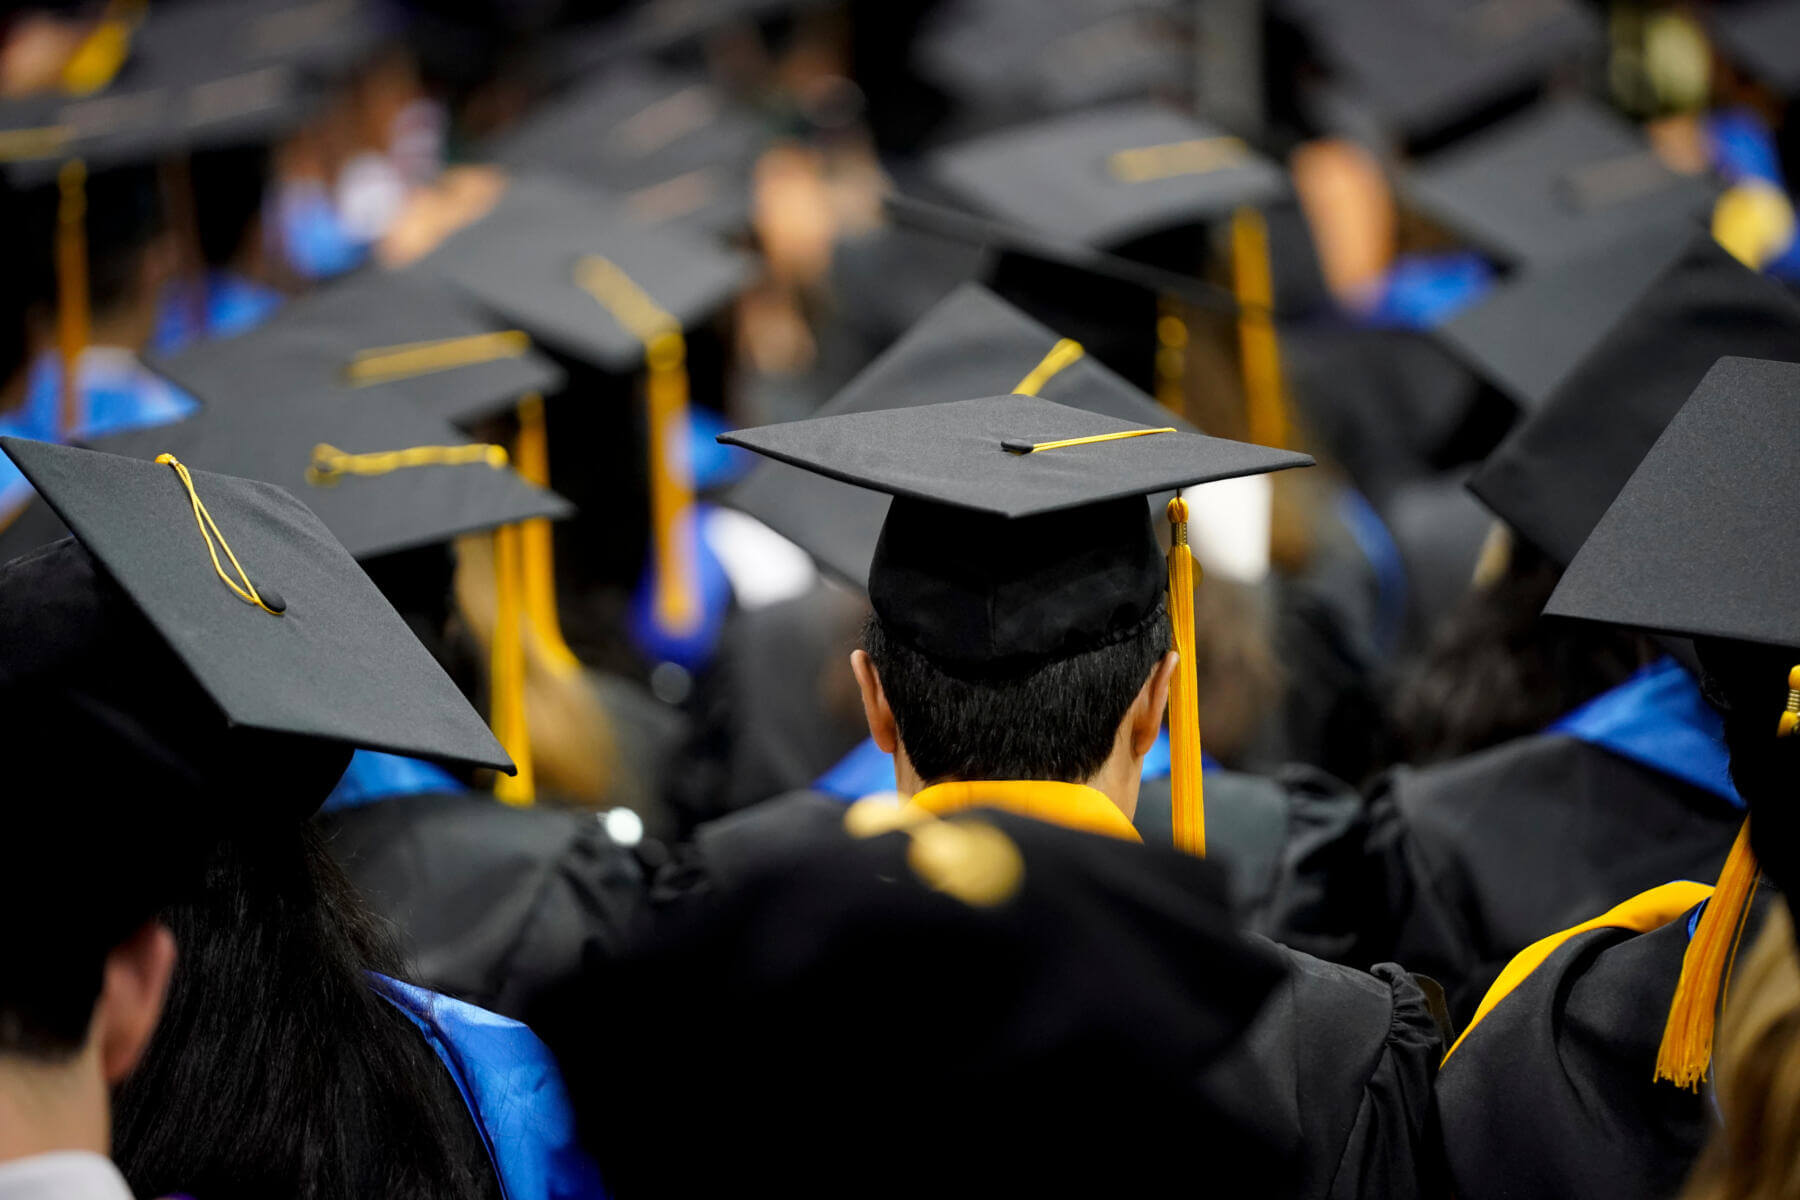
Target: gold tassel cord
(677, 599)
(1790, 716)
(1197, 156)
(1186, 785)
(74, 318)
(531, 456)
(329, 464)
(1171, 355)
(386, 364)
(269, 601)
(1254, 283)
(37, 141)
(100, 55)
(1023, 447)
(1685, 1055)
(1064, 354)
(506, 670)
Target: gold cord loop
(269, 602)
(329, 464)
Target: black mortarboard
(1422, 67)
(524, 263)
(1530, 332)
(381, 339)
(670, 145)
(971, 344)
(1559, 470)
(1110, 175)
(1760, 36)
(994, 555)
(1563, 177)
(320, 38)
(370, 514)
(334, 664)
(1701, 539)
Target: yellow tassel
(73, 317)
(1184, 692)
(1171, 355)
(1790, 717)
(1685, 1055)
(506, 668)
(97, 59)
(531, 457)
(1253, 280)
(671, 486)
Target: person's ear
(882, 726)
(133, 989)
(1152, 699)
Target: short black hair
(1053, 720)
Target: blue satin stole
(373, 776)
(1659, 718)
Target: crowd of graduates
(892, 597)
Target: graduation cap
(267, 612)
(1560, 178)
(382, 339)
(971, 344)
(1760, 36)
(1423, 67)
(1019, 535)
(1107, 176)
(1529, 333)
(670, 145)
(1559, 469)
(1700, 543)
(572, 269)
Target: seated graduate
(1586, 1070)
(210, 626)
(1017, 668)
(1456, 866)
(88, 865)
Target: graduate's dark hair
(278, 1071)
(1495, 670)
(1056, 720)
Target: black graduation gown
(1246, 829)
(1454, 868)
(834, 1027)
(492, 903)
(1552, 1093)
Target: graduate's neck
(46, 1106)
(1117, 779)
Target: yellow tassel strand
(1188, 789)
(1171, 355)
(1065, 353)
(1790, 717)
(506, 669)
(74, 318)
(1012, 446)
(97, 59)
(1254, 282)
(677, 599)
(385, 364)
(1685, 1055)
(269, 602)
(1145, 164)
(329, 464)
(531, 454)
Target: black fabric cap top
(520, 262)
(1760, 36)
(339, 665)
(991, 558)
(670, 145)
(1557, 472)
(1563, 177)
(1107, 176)
(312, 347)
(1527, 335)
(370, 514)
(971, 344)
(1702, 541)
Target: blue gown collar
(1658, 718)
(513, 1090)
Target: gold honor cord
(1020, 446)
(1170, 160)
(1187, 788)
(268, 600)
(74, 318)
(386, 364)
(1253, 281)
(677, 605)
(1685, 1055)
(1065, 353)
(329, 464)
(506, 669)
(531, 457)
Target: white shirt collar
(62, 1175)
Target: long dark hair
(277, 1072)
